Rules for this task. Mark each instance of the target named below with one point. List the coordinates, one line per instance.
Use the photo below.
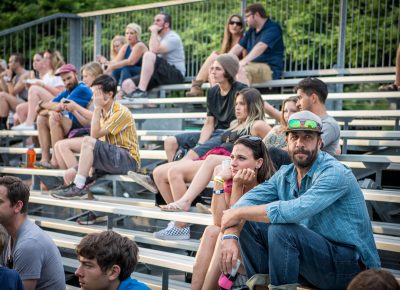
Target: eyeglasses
(251, 138)
(303, 124)
(238, 23)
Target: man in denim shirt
(311, 214)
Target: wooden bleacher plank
(386, 228)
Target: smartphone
(66, 102)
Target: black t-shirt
(222, 108)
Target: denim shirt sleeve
(317, 192)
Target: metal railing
(318, 34)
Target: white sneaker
(171, 232)
(23, 127)
(143, 180)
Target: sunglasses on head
(303, 124)
(238, 23)
(251, 138)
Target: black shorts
(111, 159)
(189, 141)
(164, 74)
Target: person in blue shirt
(264, 45)
(54, 122)
(106, 262)
(307, 224)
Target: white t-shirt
(52, 80)
(175, 55)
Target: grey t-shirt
(36, 257)
(330, 134)
(175, 55)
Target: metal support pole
(97, 37)
(243, 5)
(342, 40)
(165, 278)
(75, 42)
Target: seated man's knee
(171, 143)
(128, 86)
(42, 121)
(211, 232)
(148, 55)
(88, 142)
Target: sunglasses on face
(238, 23)
(303, 124)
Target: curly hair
(110, 248)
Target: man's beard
(304, 163)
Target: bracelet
(228, 237)
(218, 192)
(198, 144)
(218, 179)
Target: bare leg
(160, 176)
(86, 159)
(200, 180)
(204, 256)
(149, 60)
(58, 130)
(128, 86)
(35, 95)
(213, 273)
(64, 152)
(204, 70)
(8, 102)
(170, 147)
(191, 155)
(44, 137)
(22, 111)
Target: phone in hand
(66, 102)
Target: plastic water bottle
(30, 158)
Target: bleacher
(373, 152)
(370, 141)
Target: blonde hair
(227, 40)
(255, 109)
(94, 68)
(135, 27)
(119, 38)
(293, 99)
(57, 60)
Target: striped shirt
(328, 202)
(120, 125)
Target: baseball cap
(304, 121)
(66, 68)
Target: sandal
(174, 207)
(44, 165)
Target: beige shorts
(257, 72)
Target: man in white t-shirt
(164, 63)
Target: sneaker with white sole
(172, 232)
(23, 127)
(143, 180)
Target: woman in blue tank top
(128, 62)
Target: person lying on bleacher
(107, 261)
(233, 32)
(128, 62)
(171, 178)
(54, 122)
(30, 250)
(248, 166)
(111, 148)
(13, 90)
(163, 64)
(307, 224)
(312, 94)
(43, 89)
(264, 45)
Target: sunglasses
(303, 124)
(238, 23)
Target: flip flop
(172, 207)
(44, 165)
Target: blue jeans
(298, 255)
(126, 72)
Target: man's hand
(154, 28)
(228, 255)
(70, 106)
(243, 63)
(230, 218)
